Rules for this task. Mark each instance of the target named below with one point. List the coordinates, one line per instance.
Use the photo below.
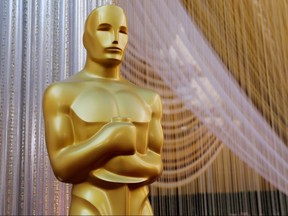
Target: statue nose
(116, 37)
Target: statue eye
(104, 27)
(123, 30)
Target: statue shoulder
(58, 95)
(153, 99)
(56, 90)
(150, 97)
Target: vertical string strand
(5, 27)
(41, 42)
(26, 171)
(14, 135)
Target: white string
(163, 36)
(251, 136)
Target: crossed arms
(113, 145)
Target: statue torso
(94, 104)
(102, 100)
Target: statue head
(106, 35)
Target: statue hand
(123, 136)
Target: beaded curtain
(205, 111)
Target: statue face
(106, 35)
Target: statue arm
(70, 159)
(155, 140)
(148, 165)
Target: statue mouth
(114, 49)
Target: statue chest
(100, 105)
(93, 108)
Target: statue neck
(97, 70)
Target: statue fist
(123, 136)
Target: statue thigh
(80, 206)
(90, 200)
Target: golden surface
(103, 133)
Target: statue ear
(87, 30)
(85, 39)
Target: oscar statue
(103, 133)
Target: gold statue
(103, 133)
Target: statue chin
(107, 62)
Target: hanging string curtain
(41, 42)
(177, 51)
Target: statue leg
(146, 208)
(89, 198)
(139, 202)
(80, 206)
